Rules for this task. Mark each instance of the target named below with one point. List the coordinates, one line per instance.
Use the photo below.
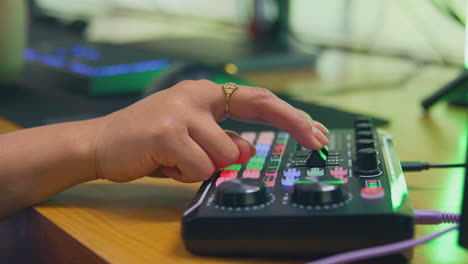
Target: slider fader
(296, 202)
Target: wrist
(82, 142)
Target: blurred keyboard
(94, 69)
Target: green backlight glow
(333, 182)
(446, 248)
(466, 42)
(324, 157)
(399, 191)
(305, 181)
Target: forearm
(39, 162)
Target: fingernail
(253, 149)
(311, 121)
(318, 144)
(232, 132)
(324, 127)
(320, 136)
(309, 118)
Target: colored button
(267, 134)
(255, 166)
(262, 146)
(372, 193)
(315, 172)
(228, 174)
(275, 158)
(249, 136)
(373, 184)
(236, 167)
(266, 137)
(290, 176)
(271, 172)
(269, 180)
(283, 135)
(252, 173)
(270, 177)
(282, 140)
(339, 173)
(278, 152)
(262, 149)
(274, 164)
(280, 146)
(257, 159)
(262, 152)
(264, 141)
(292, 172)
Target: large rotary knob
(316, 193)
(367, 161)
(362, 119)
(365, 143)
(364, 127)
(242, 192)
(364, 134)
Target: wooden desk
(139, 222)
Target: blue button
(290, 176)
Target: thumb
(246, 149)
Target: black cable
(419, 166)
(461, 165)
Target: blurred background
(423, 29)
(105, 54)
(337, 59)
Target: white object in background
(12, 39)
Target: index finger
(253, 104)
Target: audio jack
(420, 166)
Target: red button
(228, 174)
(252, 173)
(372, 193)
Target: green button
(282, 140)
(236, 167)
(255, 166)
(274, 165)
(257, 159)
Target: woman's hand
(175, 132)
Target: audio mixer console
(293, 201)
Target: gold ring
(228, 88)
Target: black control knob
(315, 193)
(364, 127)
(365, 143)
(242, 192)
(367, 161)
(361, 120)
(364, 135)
(317, 158)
